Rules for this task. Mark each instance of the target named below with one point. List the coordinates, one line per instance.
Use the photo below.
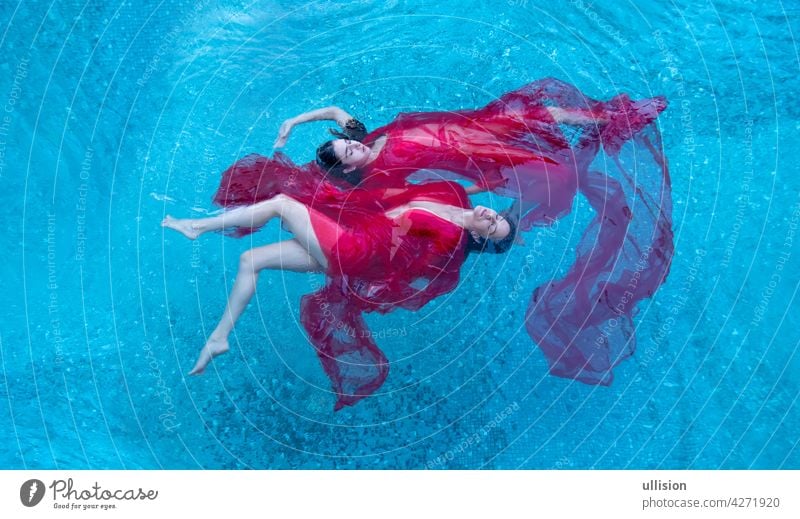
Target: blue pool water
(113, 116)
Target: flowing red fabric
(609, 151)
(375, 263)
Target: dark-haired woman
(402, 251)
(540, 145)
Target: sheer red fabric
(513, 146)
(375, 263)
(400, 262)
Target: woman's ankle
(218, 336)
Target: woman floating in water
(540, 145)
(401, 251)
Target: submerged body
(400, 248)
(515, 147)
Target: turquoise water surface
(114, 115)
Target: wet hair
(327, 160)
(354, 130)
(487, 245)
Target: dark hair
(327, 160)
(487, 245)
(353, 130)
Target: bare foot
(185, 226)
(213, 348)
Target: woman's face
(486, 223)
(352, 154)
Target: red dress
(367, 244)
(375, 263)
(491, 147)
(583, 322)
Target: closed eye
(495, 223)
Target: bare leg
(246, 216)
(575, 117)
(294, 214)
(286, 255)
(302, 254)
(649, 108)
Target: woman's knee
(247, 262)
(286, 202)
(292, 211)
(277, 199)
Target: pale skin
(334, 113)
(354, 154)
(300, 254)
(303, 253)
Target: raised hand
(283, 133)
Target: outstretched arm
(470, 190)
(329, 113)
(474, 189)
